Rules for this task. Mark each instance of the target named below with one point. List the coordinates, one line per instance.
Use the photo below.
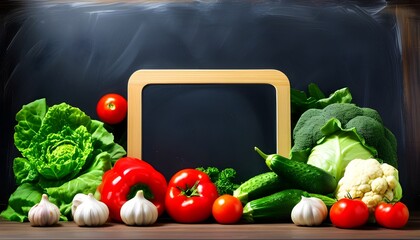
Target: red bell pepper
(190, 196)
(122, 182)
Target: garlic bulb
(139, 211)
(44, 213)
(87, 211)
(77, 200)
(310, 211)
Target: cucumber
(278, 207)
(300, 175)
(329, 199)
(260, 185)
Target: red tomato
(112, 108)
(190, 196)
(391, 215)
(227, 209)
(349, 213)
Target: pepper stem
(147, 192)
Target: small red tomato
(227, 209)
(112, 108)
(349, 213)
(392, 215)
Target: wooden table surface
(170, 230)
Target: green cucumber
(278, 207)
(300, 175)
(260, 185)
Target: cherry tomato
(227, 209)
(392, 215)
(349, 213)
(190, 196)
(112, 108)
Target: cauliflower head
(370, 181)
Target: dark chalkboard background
(76, 52)
(200, 125)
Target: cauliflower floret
(392, 181)
(379, 185)
(370, 181)
(371, 199)
(388, 170)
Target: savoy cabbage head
(63, 152)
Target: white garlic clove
(77, 200)
(139, 211)
(44, 213)
(87, 211)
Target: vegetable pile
(331, 137)
(342, 168)
(342, 155)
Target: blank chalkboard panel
(192, 118)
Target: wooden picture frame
(140, 79)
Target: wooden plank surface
(170, 230)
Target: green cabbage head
(63, 152)
(334, 151)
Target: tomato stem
(190, 191)
(111, 106)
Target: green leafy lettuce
(63, 152)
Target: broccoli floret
(212, 172)
(342, 112)
(224, 180)
(310, 130)
(369, 112)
